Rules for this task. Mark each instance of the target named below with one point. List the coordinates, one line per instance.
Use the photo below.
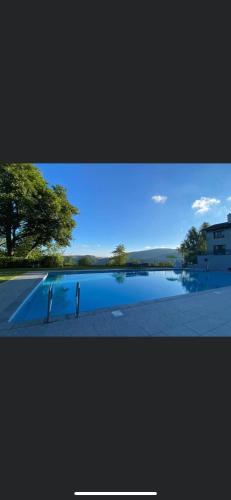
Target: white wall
(211, 241)
(215, 262)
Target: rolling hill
(154, 255)
(149, 256)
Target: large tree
(33, 215)
(194, 243)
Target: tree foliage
(194, 243)
(32, 214)
(85, 261)
(69, 260)
(120, 256)
(52, 261)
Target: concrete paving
(14, 292)
(199, 314)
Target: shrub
(133, 262)
(85, 261)
(70, 266)
(69, 261)
(165, 264)
(111, 262)
(52, 261)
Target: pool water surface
(107, 289)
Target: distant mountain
(154, 255)
(149, 256)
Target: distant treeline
(59, 261)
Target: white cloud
(157, 198)
(204, 204)
(229, 198)
(147, 248)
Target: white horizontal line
(115, 493)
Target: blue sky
(140, 205)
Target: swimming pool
(107, 289)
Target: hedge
(54, 261)
(46, 261)
(17, 262)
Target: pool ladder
(77, 294)
(50, 301)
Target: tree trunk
(10, 251)
(9, 243)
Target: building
(218, 255)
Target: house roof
(219, 227)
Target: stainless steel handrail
(50, 299)
(77, 293)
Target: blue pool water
(106, 289)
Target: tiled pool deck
(197, 314)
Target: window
(219, 249)
(218, 234)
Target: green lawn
(8, 274)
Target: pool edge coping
(26, 298)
